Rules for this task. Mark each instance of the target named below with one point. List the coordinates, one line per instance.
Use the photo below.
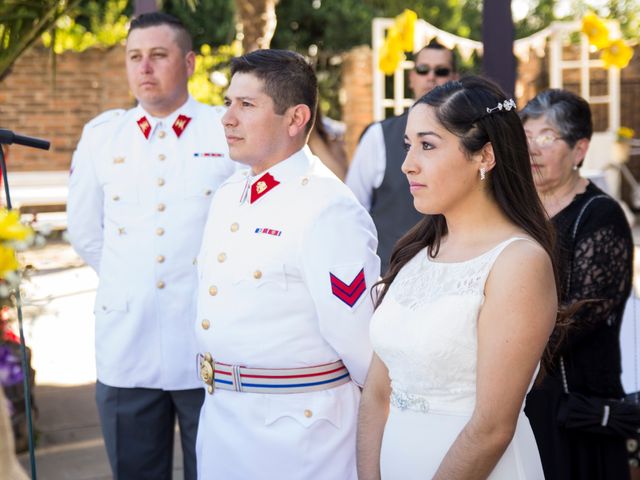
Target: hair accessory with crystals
(506, 105)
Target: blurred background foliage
(323, 30)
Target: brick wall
(93, 81)
(33, 104)
(532, 77)
(357, 95)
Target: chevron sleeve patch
(351, 292)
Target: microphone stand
(8, 137)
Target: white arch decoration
(555, 35)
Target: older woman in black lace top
(595, 259)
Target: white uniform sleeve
(339, 267)
(85, 203)
(368, 165)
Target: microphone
(8, 137)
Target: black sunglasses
(438, 71)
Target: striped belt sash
(271, 380)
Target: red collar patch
(264, 184)
(180, 124)
(145, 126)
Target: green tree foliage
(627, 12)
(338, 25)
(21, 24)
(540, 14)
(324, 29)
(209, 21)
(209, 80)
(90, 24)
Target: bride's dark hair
(462, 108)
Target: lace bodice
(425, 331)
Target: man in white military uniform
(286, 266)
(140, 189)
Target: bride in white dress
(468, 303)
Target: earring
(482, 173)
(574, 168)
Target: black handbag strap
(574, 231)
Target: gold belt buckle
(207, 372)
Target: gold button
(160, 259)
(234, 227)
(257, 274)
(161, 207)
(213, 290)
(222, 257)
(116, 198)
(210, 389)
(121, 231)
(206, 324)
(308, 413)
(160, 182)
(305, 180)
(160, 284)
(207, 192)
(159, 231)
(161, 157)
(161, 133)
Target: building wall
(35, 103)
(357, 95)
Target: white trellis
(560, 33)
(423, 32)
(555, 36)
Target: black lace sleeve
(601, 265)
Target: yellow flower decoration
(617, 54)
(595, 30)
(10, 227)
(8, 261)
(406, 23)
(625, 133)
(399, 39)
(391, 52)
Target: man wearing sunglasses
(374, 175)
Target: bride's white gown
(425, 332)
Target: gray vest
(392, 207)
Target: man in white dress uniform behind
(285, 271)
(140, 189)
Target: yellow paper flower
(11, 228)
(8, 261)
(405, 23)
(625, 133)
(617, 54)
(595, 30)
(391, 52)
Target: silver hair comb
(506, 105)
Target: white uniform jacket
(265, 300)
(139, 193)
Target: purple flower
(10, 367)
